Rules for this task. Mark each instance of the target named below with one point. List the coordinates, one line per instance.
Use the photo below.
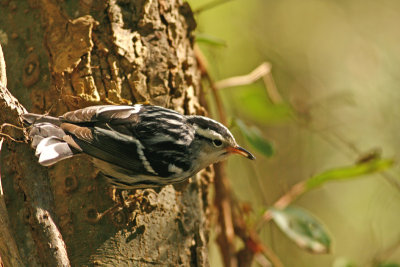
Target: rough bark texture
(8, 247)
(67, 55)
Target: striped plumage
(135, 146)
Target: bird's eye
(217, 142)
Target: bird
(134, 146)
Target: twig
(284, 201)
(270, 254)
(262, 71)
(3, 74)
(222, 201)
(262, 260)
(254, 246)
(9, 136)
(217, 98)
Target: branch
(263, 71)
(8, 247)
(35, 184)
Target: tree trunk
(66, 55)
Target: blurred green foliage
(337, 65)
(251, 102)
(389, 265)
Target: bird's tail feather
(47, 138)
(31, 118)
(51, 150)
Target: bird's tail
(47, 138)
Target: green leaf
(302, 228)
(345, 173)
(388, 264)
(254, 136)
(252, 102)
(209, 39)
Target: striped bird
(138, 146)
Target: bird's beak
(241, 151)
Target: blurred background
(336, 64)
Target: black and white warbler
(136, 146)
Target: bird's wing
(107, 145)
(103, 113)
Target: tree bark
(66, 55)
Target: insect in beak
(241, 151)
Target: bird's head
(215, 141)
